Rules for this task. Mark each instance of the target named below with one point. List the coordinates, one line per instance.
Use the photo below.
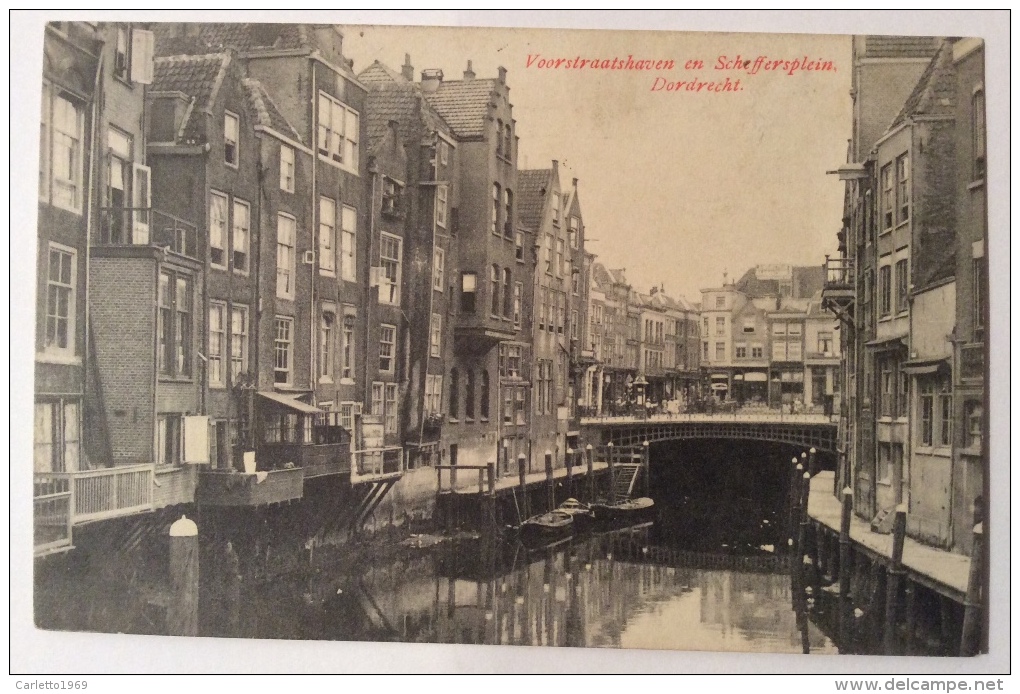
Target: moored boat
(547, 527)
(582, 514)
(629, 510)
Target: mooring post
(845, 568)
(812, 462)
(894, 576)
(797, 494)
(612, 472)
(647, 466)
(570, 473)
(792, 498)
(522, 465)
(491, 495)
(805, 521)
(589, 449)
(549, 483)
(970, 634)
(182, 610)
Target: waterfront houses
(909, 288)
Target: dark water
(706, 574)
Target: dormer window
(392, 193)
(231, 129)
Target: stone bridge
(802, 430)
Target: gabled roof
(241, 37)
(935, 90)
(899, 46)
(806, 280)
(198, 76)
(379, 73)
(464, 104)
(393, 98)
(532, 189)
(264, 111)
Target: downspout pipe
(89, 213)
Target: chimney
(575, 183)
(407, 70)
(502, 75)
(431, 79)
(469, 74)
(556, 165)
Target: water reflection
(607, 590)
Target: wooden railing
(100, 494)
(377, 462)
(839, 272)
(486, 477)
(52, 518)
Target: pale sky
(677, 187)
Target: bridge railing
(731, 417)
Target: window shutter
(142, 48)
(141, 191)
(196, 439)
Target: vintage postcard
(662, 340)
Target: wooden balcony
(229, 488)
(376, 464)
(144, 226)
(100, 494)
(315, 459)
(52, 514)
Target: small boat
(630, 510)
(546, 527)
(582, 514)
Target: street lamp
(641, 383)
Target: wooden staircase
(625, 477)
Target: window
(57, 436)
(444, 152)
(286, 234)
(740, 350)
(885, 289)
(508, 406)
(508, 146)
(389, 255)
(573, 325)
(886, 389)
(720, 325)
(706, 326)
(387, 348)
(45, 123)
(794, 350)
(935, 403)
(174, 324)
(549, 253)
(327, 335)
(543, 315)
(454, 393)
(122, 56)
(378, 394)
(704, 350)
(63, 132)
(778, 350)
(231, 129)
(902, 285)
(973, 415)
(217, 343)
(757, 351)
(824, 342)
(348, 236)
(169, 439)
(286, 168)
(720, 302)
(483, 396)
(494, 280)
(441, 205)
(238, 340)
(438, 269)
(327, 236)
(218, 230)
(748, 325)
(60, 301)
(499, 136)
(980, 296)
(720, 350)
(903, 397)
(433, 394)
(469, 394)
(519, 246)
(118, 189)
(337, 132)
(390, 413)
(977, 126)
(574, 230)
(510, 360)
(561, 265)
(283, 370)
(902, 188)
(241, 242)
(575, 283)
(887, 196)
(468, 291)
(508, 296)
(884, 462)
(347, 349)
(508, 205)
(561, 311)
(519, 416)
(436, 336)
(946, 419)
(494, 222)
(556, 208)
(392, 193)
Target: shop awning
(757, 376)
(719, 386)
(720, 377)
(918, 367)
(738, 377)
(887, 343)
(289, 402)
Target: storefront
(720, 385)
(786, 385)
(751, 387)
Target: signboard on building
(775, 271)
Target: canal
(712, 571)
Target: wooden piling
(570, 472)
(791, 506)
(797, 494)
(970, 636)
(490, 500)
(550, 484)
(647, 469)
(894, 576)
(612, 472)
(182, 610)
(522, 465)
(845, 567)
(812, 462)
(591, 472)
